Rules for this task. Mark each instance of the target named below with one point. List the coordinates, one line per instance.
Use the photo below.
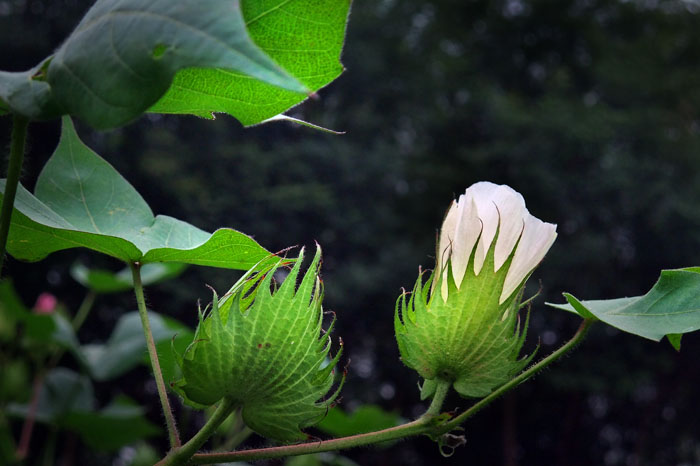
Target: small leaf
(126, 346)
(106, 281)
(82, 201)
(305, 37)
(671, 307)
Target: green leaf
(67, 400)
(28, 94)
(43, 328)
(81, 201)
(670, 308)
(366, 418)
(675, 340)
(120, 423)
(267, 355)
(168, 351)
(106, 281)
(126, 346)
(62, 392)
(305, 37)
(124, 54)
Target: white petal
(535, 241)
(467, 233)
(483, 194)
(512, 213)
(447, 237)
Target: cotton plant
(261, 353)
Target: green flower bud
(265, 350)
(462, 325)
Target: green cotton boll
(264, 349)
(462, 325)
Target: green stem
(420, 426)
(443, 387)
(180, 455)
(49, 447)
(426, 424)
(77, 322)
(522, 377)
(17, 143)
(83, 310)
(153, 355)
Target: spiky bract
(467, 339)
(265, 349)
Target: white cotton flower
(484, 213)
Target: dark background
(591, 109)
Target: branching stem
(153, 355)
(522, 377)
(17, 143)
(430, 423)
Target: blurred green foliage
(590, 108)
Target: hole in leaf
(159, 50)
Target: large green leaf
(304, 36)
(81, 201)
(124, 54)
(671, 307)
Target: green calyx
(264, 348)
(467, 339)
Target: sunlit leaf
(305, 37)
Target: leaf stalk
(17, 146)
(153, 356)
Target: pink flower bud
(45, 303)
